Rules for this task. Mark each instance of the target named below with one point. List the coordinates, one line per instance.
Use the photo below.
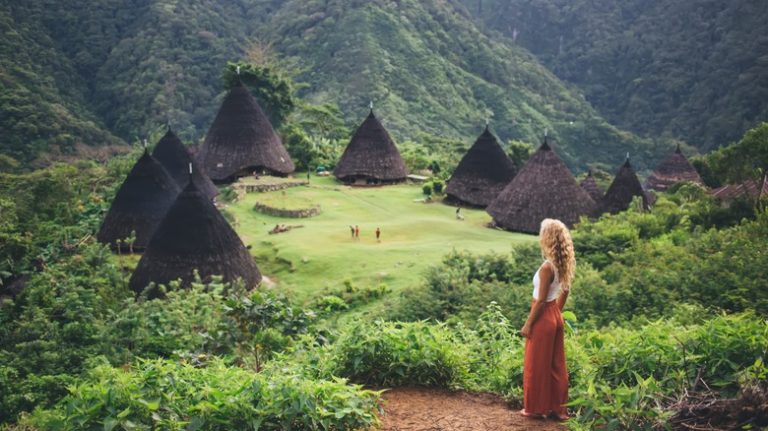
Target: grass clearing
(322, 255)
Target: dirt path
(419, 409)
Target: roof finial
(190, 168)
(144, 143)
(237, 70)
(370, 105)
(677, 150)
(627, 155)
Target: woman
(545, 378)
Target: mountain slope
(694, 70)
(428, 68)
(41, 95)
(133, 65)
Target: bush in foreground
(160, 394)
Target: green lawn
(322, 255)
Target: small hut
(590, 186)
(623, 189)
(139, 205)
(241, 141)
(194, 236)
(674, 169)
(481, 174)
(371, 157)
(749, 189)
(544, 188)
(175, 158)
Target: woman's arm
(546, 275)
(563, 297)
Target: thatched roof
(194, 235)
(372, 155)
(590, 186)
(674, 169)
(544, 188)
(623, 189)
(140, 204)
(748, 189)
(175, 158)
(482, 173)
(241, 140)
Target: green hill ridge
(695, 71)
(109, 72)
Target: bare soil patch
(423, 409)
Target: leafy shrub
(396, 354)
(427, 189)
(437, 186)
(160, 394)
(464, 284)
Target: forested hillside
(428, 69)
(125, 68)
(692, 70)
(42, 97)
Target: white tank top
(554, 288)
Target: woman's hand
(526, 331)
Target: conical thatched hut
(544, 188)
(371, 157)
(623, 189)
(194, 236)
(481, 174)
(175, 158)
(590, 186)
(674, 169)
(139, 205)
(241, 140)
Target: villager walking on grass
(458, 214)
(357, 232)
(545, 377)
(378, 234)
(352, 231)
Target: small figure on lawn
(357, 232)
(352, 231)
(458, 214)
(378, 235)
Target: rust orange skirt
(545, 378)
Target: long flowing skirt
(545, 377)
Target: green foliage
(438, 186)
(631, 370)
(274, 92)
(745, 160)
(464, 284)
(161, 394)
(427, 189)
(643, 70)
(414, 62)
(519, 152)
(395, 354)
(49, 333)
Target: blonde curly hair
(557, 247)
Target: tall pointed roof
(590, 186)
(674, 169)
(241, 139)
(623, 189)
(194, 236)
(371, 154)
(175, 158)
(140, 204)
(482, 173)
(544, 188)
